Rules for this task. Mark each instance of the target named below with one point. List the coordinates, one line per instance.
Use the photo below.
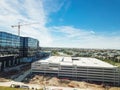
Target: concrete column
(9, 62)
(14, 62)
(21, 60)
(17, 61)
(0, 66)
(4, 64)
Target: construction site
(61, 84)
(47, 81)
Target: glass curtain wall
(9, 44)
(30, 46)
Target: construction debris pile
(53, 81)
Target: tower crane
(19, 26)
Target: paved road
(8, 84)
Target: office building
(9, 49)
(78, 68)
(15, 49)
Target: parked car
(15, 86)
(24, 86)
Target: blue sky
(65, 23)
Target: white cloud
(71, 31)
(32, 11)
(74, 37)
(53, 5)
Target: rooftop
(78, 61)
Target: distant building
(79, 68)
(15, 49)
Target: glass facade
(29, 47)
(9, 44)
(13, 45)
(15, 49)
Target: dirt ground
(53, 81)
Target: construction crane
(19, 26)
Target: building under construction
(78, 68)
